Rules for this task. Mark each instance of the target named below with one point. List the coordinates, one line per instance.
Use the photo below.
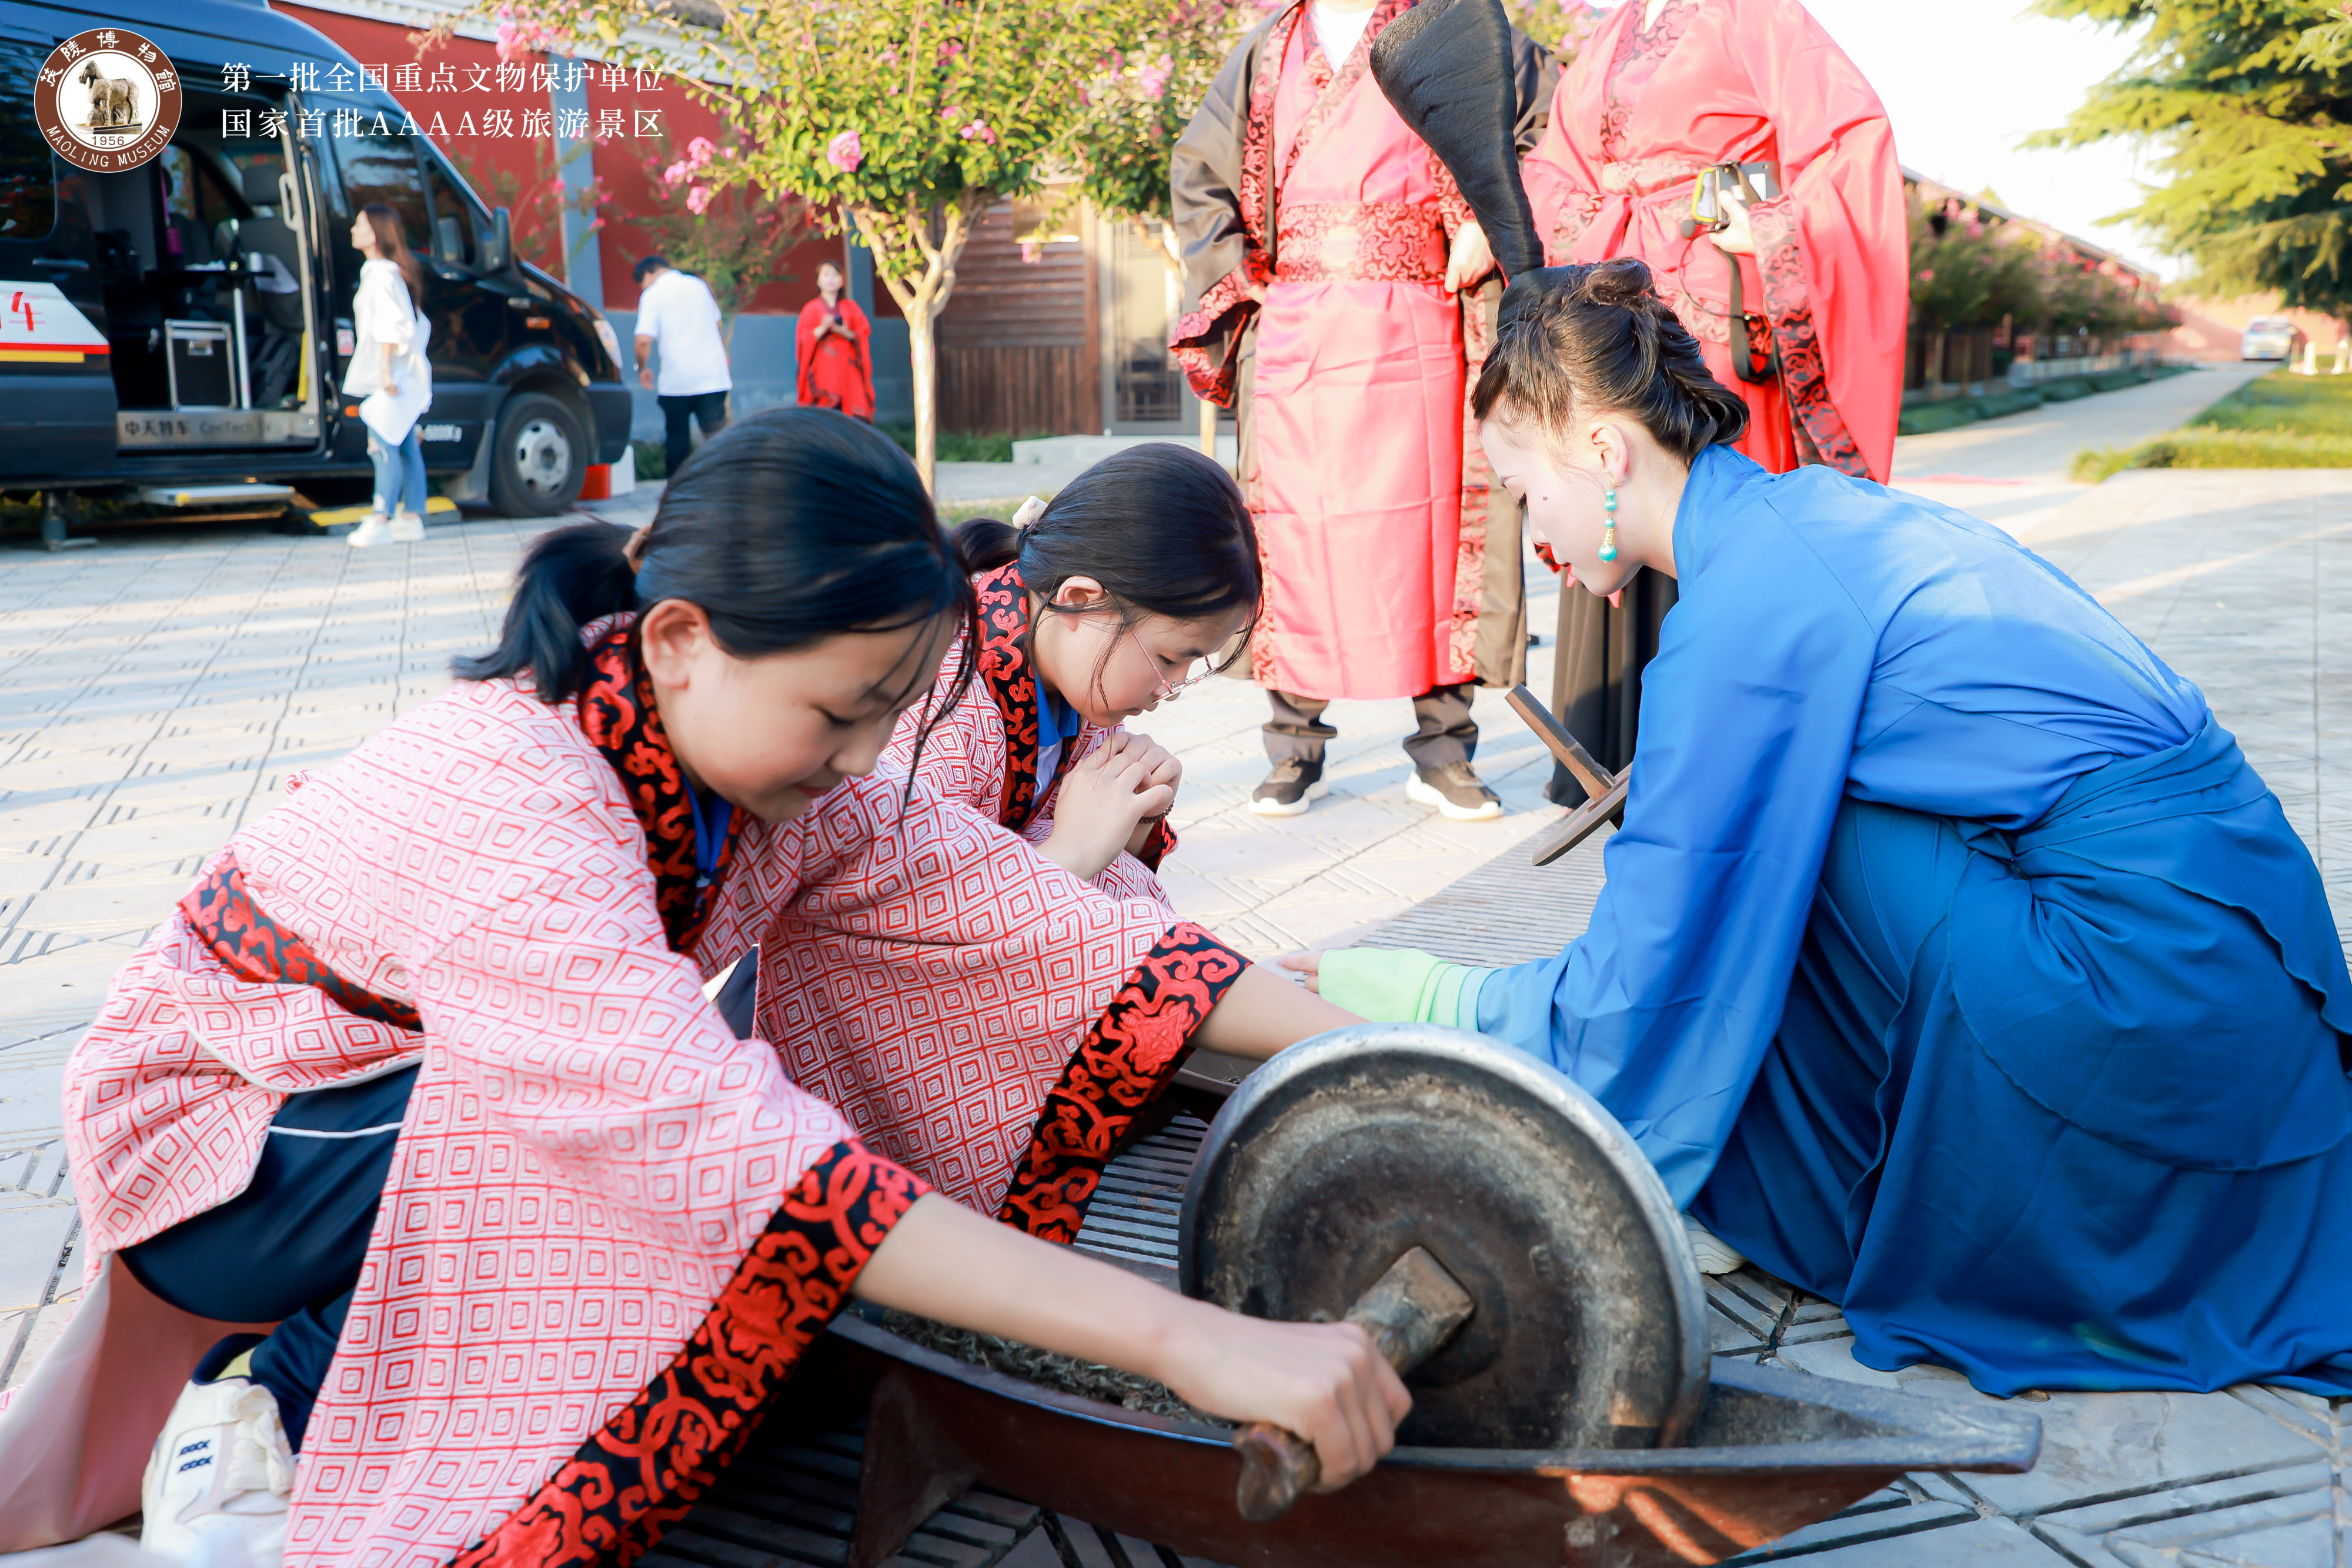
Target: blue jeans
(399, 474)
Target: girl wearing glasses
(1094, 609)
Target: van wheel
(539, 459)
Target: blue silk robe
(1954, 966)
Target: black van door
(57, 396)
(472, 325)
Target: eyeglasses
(1196, 671)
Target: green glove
(1400, 985)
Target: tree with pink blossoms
(731, 234)
(907, 119)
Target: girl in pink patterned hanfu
(417, 1098)
(1093, 610)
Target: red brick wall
(512, 170)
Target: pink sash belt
(1360, 242)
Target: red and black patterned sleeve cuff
(255, 947)
(1125, 1059)
(1207, 340)
(1158, 845)
(637, 1476)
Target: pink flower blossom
(560, 188)
(890, 56)
(1926, 275)
(978, 131)
(678, 173)
(520, 35)
(949, 51)
(1031, 252)
(844, 153)
(697, 199)
(700, 151)
(1153, 79)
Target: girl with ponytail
(1954, 963)
(423, 1072)
(1093, 610)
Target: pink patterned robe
(984, 752)
(1719, 81)
(1316, 229)
(611, 1227)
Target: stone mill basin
(1772, 1451)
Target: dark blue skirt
(2067, 1108)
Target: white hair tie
(1031, 510)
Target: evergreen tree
(2247, 106)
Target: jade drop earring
(1609, 533)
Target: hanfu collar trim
(618, 717)
(1261, 190)
(1010, 676)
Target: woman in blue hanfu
(1953, 964)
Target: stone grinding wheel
(1344, 1151)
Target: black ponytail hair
(987, 543)
(1162, 527)
(1595, 337)
(787, 527)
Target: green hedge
(955, 447)
(1925, 419)
(2206, 447)
(2280, 421)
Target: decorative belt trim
(1646, 178)
(1360, 242)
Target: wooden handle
(1277, 1469)
(1410, 1310)
(1597, 781)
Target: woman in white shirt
(390, 374)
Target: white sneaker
(1715, 1255)
(373, 529)
(220, 1480)
(407, 528)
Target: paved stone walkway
(155, 690)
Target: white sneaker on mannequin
(221, 1478)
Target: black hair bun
(1621, 280)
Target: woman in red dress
(836, 356)
(1797, 302)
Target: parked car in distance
(2269, 337)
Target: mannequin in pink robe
(1317, 230)
(1657, 93)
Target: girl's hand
(391, 387)
(1322, 1381)
(1103, 797)
(1737, 238)
(1164, 770)
(1309, 966)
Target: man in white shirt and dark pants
(674, 309)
